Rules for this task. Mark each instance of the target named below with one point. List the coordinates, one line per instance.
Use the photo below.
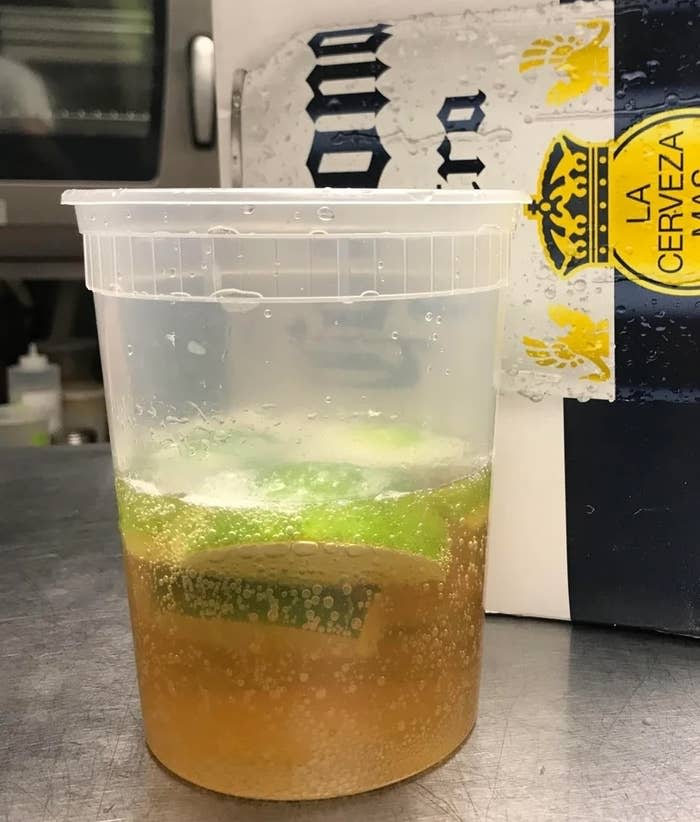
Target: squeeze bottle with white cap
(36, 382)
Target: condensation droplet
(394, 335)
(326, 214)
(196, 348)
(267, 313)
(249, 209)
(429, 317)
(328, 399)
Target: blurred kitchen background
(92, 93)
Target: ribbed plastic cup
(301, 401)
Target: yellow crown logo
(632, 203)
(572, 207)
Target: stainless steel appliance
(97, 92)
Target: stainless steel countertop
(575, 723)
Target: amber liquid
(281, 712)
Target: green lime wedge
(317, 567)
(318, 482)
(360, 539)
(318, 563)
(326, 609)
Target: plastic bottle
(35, 382)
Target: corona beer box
(594, 108)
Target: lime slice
(317, 568)
(317, 482)
(326, 609)
(400, 537)
(317, 563)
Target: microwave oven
(97, 93)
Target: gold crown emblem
(571, 207)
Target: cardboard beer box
(594, 109)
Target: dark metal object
(74, 436)
(577, 724)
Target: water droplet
(550, 292)
(533, 396)
(171, 338)
(267, 313)
(429, 317)
(380, 264)
(438, 320)
(434, 336)
(394, 335)
(130, 350)
(249, 209)
(297, 215)
(580, 285)
(325, 213)
(196, 348)
(328, 399)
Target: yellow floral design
(580, 62)
(584, 341)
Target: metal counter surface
(575, 723)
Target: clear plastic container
(36, 382)
(23, 425)
(301, 396)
